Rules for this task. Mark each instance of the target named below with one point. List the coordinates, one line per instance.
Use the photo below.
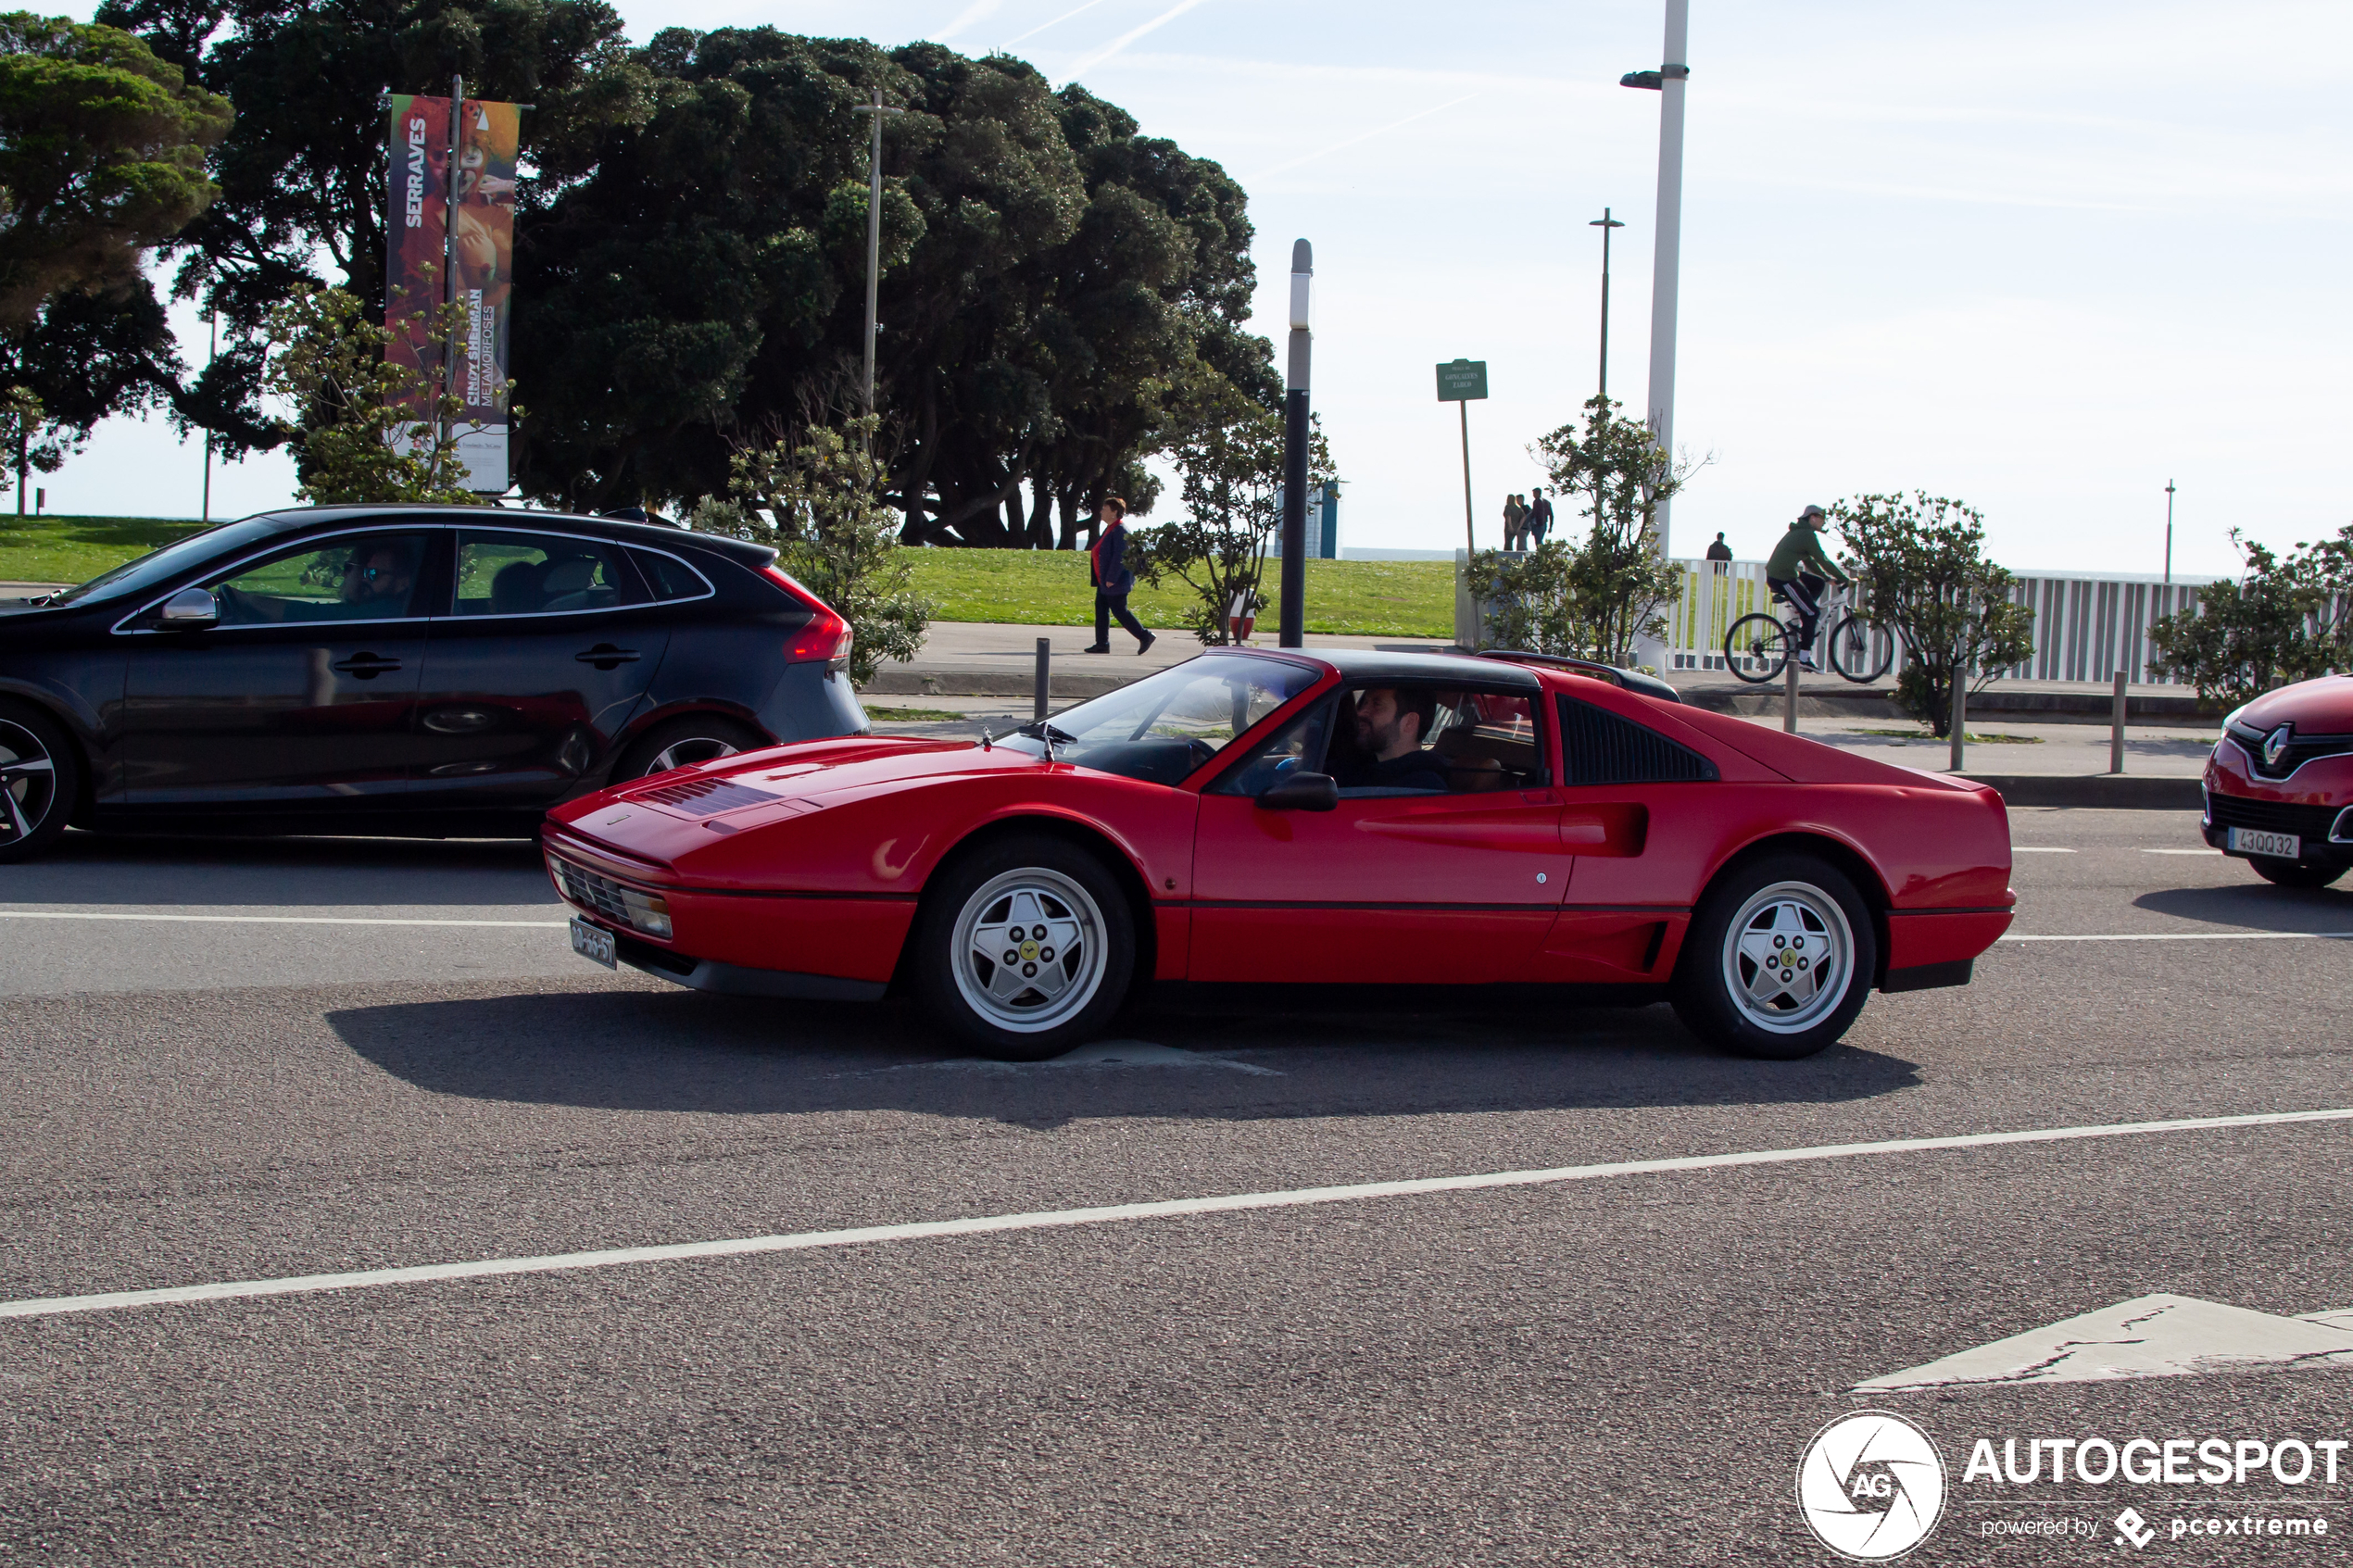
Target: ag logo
(1872, 1486)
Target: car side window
(669, 577)
(1602, 748)
(1297, 748)
(506, 573)
(1424, 740)
(353, 577)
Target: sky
(2041, 259)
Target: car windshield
(1163, 726)
(159, 565)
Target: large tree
(102, 156)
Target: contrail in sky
(1089, 61)
(980, 10)
(1041, 27)
(1366, 136)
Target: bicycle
(1758, 647)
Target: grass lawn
(1365, 599)
(75, 549)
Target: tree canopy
(102, 156)
(1062, 296)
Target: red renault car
(1344, 818)
(2279, 787)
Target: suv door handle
(366, 666)
(604, 655)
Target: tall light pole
(1667, 82)
(1604, 223)
(873, 241)
(2168, 533)
(212, 352)
(1294, 593)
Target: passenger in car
(1391, 723)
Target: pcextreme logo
(1870, 1485)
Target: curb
(2121, 791)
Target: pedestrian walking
(1786, 574)
(1107, 566)
(1515, 523)
(1720, 551)
(1540, 518)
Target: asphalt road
(1619, 1368)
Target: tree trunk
(1041, 515)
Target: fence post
(1788, 695)
(1960, 721)
(2116, 727)
(1045, 660)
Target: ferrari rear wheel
(1025, 948)
(1779, 960)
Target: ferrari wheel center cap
(1030, 949)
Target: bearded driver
(1390, 725)
(1786, 574)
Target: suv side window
(669, 577)
(501, 573)
(351, 577)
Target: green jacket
(1799, 548)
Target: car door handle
(604, 655)
(366, 666)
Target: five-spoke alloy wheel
(1024, 947)
(1779, 960)
(40, 776)
(682, 743)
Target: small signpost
(1458, 383)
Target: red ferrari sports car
(1356, 819)
(2279, 787)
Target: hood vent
(704, 798)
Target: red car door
(1424, 888)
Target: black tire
(1049, 909)
(2295, 874)
(1861, 651)
(682, 741)
(1791, 896)
(40, 778)
(1759, 638)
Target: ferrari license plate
(2250, 841)
(592, 942)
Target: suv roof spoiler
(1631, 679)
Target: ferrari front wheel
(1779, 959)
(1025, 948)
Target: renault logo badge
(2274, 743)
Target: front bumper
(2322, 821)
(736, 980)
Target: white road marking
(277, 920)
(2038, 849)
(2160, 1336)
(2197, 936)
(2180, 851)
(1123, 1213)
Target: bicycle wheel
(1755, 649)
(1861, 651)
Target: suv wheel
(40, 780)
(1779, 959)
(682, 743)
(1025, 948)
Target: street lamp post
(1292, 632)
(1667, 81)
(1605, 223)
(2168, 533)
(874, 241)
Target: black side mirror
(1302, 792)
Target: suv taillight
(827, 636)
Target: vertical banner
(432, 242)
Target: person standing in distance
(1540, 518)
(1786, 574)
(1720, 551)
(1107, 565)
(1514, 519)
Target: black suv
(410, 670)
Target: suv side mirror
(1302, 792)
(190, 610)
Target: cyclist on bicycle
(1786, 574)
